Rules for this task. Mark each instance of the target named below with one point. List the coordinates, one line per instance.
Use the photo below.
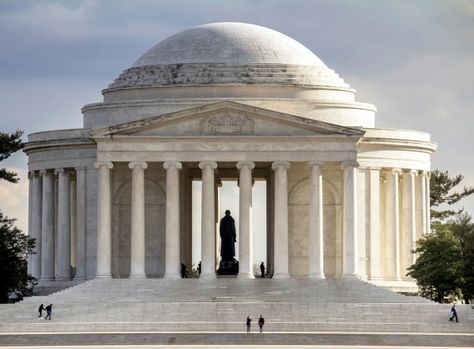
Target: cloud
(14, 199)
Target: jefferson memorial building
(228, 101)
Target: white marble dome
(228, 54)
(229, 43)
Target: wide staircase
(222, 305)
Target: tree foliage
(9, 143)
(14, 249)
(441, 192)
(463, 229)
(438, 265)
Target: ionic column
(80, 223)
(47, 227)
(374, 223)
(396, 222)
(281, 219)
(208, 220)
(424, 206)
(64, 225)
(349, 224)
(36, 213)
(245, 219)
(31, 174)
(104, 230)
(427, 176)
(137, 235)
(173, 262)
(412, 212)
(315, 222)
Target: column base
(376, 278)
(350, 276)
(103, 276)
(208, 276)
(47, 279)
(246, 276)
(281, 276)
(316, 277)
(63, 278)
(137, 276)
(173, 276)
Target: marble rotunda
(345, 199)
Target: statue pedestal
(228, 267)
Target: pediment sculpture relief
(227, 124)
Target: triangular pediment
(226, 119)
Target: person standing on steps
(261, 322)
(40, 310)
(262, 269)
(49, 311)
(454, 313)
(248, 323)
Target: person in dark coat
(262, 269)
(40, 310)
(261, 322)
(49, 311)
(228, 237)
(454, 313)
(248, 323)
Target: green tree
(441, 193)
(9, 143)
(438, 266)
(14, 249)
(14, 245)
(463, 229)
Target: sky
(412, 59)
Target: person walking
(49, 311)
(40, 310)
(261, 322)
(248, 323)
(262, 269)
(454, 313)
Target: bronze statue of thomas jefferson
(228, 237)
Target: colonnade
(57, 219)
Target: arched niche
(155, 200)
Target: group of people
(48, 310)
(261, 322)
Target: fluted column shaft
(281, 219)
(349, 227)
(104, 229)
(412, 215)
(315, 222)
(424, 207)
(80, 223)
(428, 203)
(173, 263)
(396, 222)
(208, 220)
(245, 219)
(374, 223)
(47, 227)
(36, 213)
(64, 226)
(137, 246)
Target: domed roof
(228, 54)
(231, 43)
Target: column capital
(172, 163)
(45, 172)
(285, 164)
(137, 163)
(246, 163)
(319, 164)
(108, 164)
(413, 172)
(427, 174)
(396, 171)
(211, 164)
(349, 163)
(80, 168)
(60, 171)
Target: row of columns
(281, 260)
(401, 214)
(57, 215)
